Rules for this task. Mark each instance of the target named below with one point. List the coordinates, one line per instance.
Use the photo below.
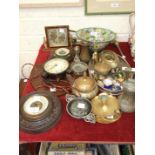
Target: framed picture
(98, 7)
(57, 36)
(49, 3)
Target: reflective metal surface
(110, 57)
(127, 99)
(85, 86)
(106, 108)
(79, 107)
(102, 67)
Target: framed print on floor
(98, 7)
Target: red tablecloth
(73, 130)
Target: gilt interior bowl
(78, 108)
(106, 108)
(96, 38)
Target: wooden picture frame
(49, 3)
(99, 7)
(57, 36)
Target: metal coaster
(39, 111)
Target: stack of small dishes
(63, 53)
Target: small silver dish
(79, 108)
(79, 67)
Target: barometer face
(39, 111)
(62, 52)
(56, 66)
(35, 105)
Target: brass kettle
(110, 58)
(102, 68)
(85, 86)
(106, 108)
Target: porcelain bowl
(95, 38)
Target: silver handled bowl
(79, 108)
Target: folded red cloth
(70, 129)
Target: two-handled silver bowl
(79, 108)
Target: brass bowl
(106, 108)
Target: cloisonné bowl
(95, 38)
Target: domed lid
(105, 105)
(84, 83)
(102, 67)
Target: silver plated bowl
(78, 108)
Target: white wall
(33, 21)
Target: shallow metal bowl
(79, 107)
